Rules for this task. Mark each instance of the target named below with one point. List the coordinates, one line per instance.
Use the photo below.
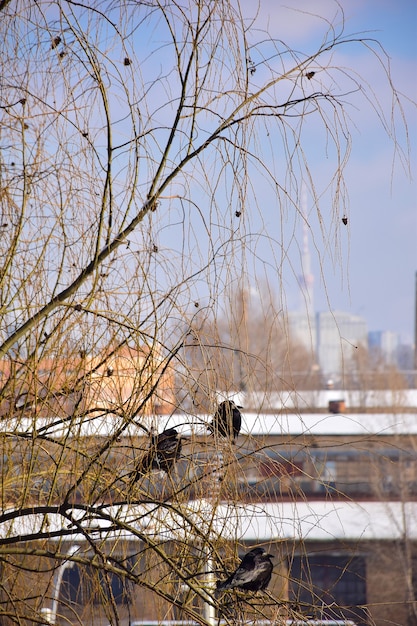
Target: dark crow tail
(221, 585)
(219, 588)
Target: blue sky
(367, 267)
(374, 269)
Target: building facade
(333, 497)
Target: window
(333, 586)
(81, 585)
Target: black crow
(253, 573)
(227, 420)
(164, 450)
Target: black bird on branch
(253, 574)
(227, 420)
(164, 450)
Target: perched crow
(162, 454)
(227, 420)
(253, 573)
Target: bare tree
(135, 137)
(247, 347)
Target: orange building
(116, 381)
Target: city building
(338, 336)
(384, 344)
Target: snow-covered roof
(255, 424)
(258, 424)
(261, 522)
(327, 521)
(330, 424)
(316, 399)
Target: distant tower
(302, 323)
(306, 278)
